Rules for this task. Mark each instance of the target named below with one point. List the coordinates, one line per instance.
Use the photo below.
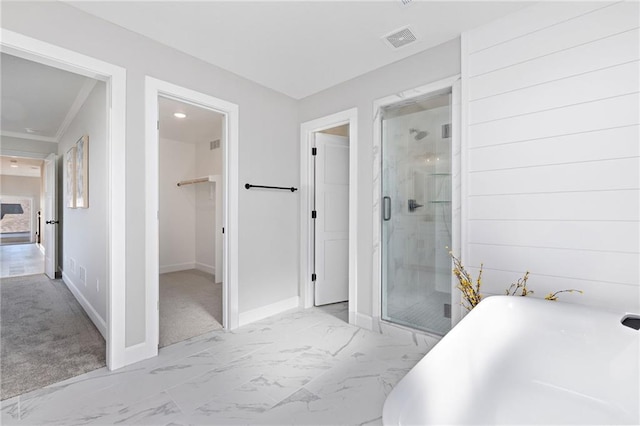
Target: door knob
(51, 222)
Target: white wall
(553, 151)
(82, 233)
(177, 225)
(208, 225)
(24, 187)
(431, 65)
(268, 151)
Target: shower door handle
(386, 208)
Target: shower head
(419, 134)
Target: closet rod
(190, 181)
(291, 188)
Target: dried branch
(470, 293)
(554, 296)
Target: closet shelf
(209, 178)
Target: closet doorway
(190, 194)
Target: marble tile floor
(301, 367)
(20, 259)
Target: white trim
(25, 154)
(205, 268)
(163, 269)
(361, 320)
(82, 96)
(95, 317)
(307, 129)
(269, 310)
(464, 165)
(378, 104)
(397, 330)
(230, 315)
(139, 352)
(31, 136)
(115, 76)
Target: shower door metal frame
(458, 155)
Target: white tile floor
(20, 259)
(303, 367)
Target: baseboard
(97, 320)
(269, 310)
(206, 268)
(139, 352)
(177, 267)
(361, 320)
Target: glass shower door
(416, 213)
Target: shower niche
(416, 219)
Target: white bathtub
(519, 360)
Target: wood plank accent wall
(551, 133)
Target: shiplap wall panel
(579, 235)
(588, 176)
(605, 83)
(605, 266)
(598, 24)
(619, 142)
(529, 20)
(580, 59)
(552, 148)
(624, 297)
(588, 205)
(585, 117)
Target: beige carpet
(190, 305)
(45, 335)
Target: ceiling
(45, 100)
(23, 166)
(39, 101)
(199, 125)
(297, 47)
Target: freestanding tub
(519, 360)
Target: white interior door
(332, 219)
(50, 216)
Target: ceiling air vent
(400, 38)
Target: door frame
(115, 78)
(458, 157)
(53, 215)
(307, 130)
(153, 89)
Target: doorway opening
(417, 207)
(190, 194)
(21, 249)
(330, 215)
(329, 194)
(223, 187)
(416, 212)
(114, 78)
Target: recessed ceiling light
(179, 115)
(30, 130)
(14, 165)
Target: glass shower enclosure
(416, 213)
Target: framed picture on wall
(70, 178)
(82, 172)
